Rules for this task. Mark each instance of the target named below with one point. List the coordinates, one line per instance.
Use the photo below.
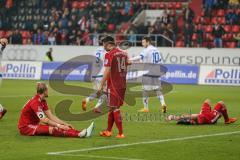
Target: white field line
(100, 157)
(146, 142)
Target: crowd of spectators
(72, 22)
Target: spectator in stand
(83, 23)
(38, 37)
(188, 32)
(64, 37)
(199, 32)
(16, 37)
(231, 17)
(165, 19)
(237, 37)
(188, 15)
(218, 32)
(72, 36)
(52, 39)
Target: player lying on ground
(3, 111)
(115, 70)
(151, 55)
(3, 44)
(37, 119)
(100, 53)
(206, 115)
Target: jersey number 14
(121, 63)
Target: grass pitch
(145, 138)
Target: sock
(100, 101)
(118, 120)
(57, 132)
(1, 108)
(145, 99)
(225, 114)
(161, 98)
(91, 97)
(110, 121)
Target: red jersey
(117, 60)
(29, 114)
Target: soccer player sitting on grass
(206, 115)
(3, 44)
(37, 119)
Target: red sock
(65, 133)
(225, 114)
(223, 110)
(118, 120)
(110, 121)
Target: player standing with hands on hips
(3, 44)
(150, 55)
(115, 63)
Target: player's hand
(64, 127)
(4, 41)
(99, 92)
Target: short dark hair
(147, 39)
(108, 39)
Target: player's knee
(208, 101)
(221, 102)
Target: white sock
(101, 99)
(161, 98)
(91, 97)
(1, 108)
(145, 99)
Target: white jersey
(151, 55)
(100, 54)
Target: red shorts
(207, 116)
(115, 97)
(33, 130)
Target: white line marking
(101, 157)
(146, 142)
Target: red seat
(81, 5)
(208, 29)
(111, 27)
(235, 28)
(178, 5)
(209, 37)
(194, 37)
(161, 5)
(222, 20)
(220, 13)
(2, 34)
(25, 34)
(153, 6)
(170, 5)
(214, 20)
(74, 4)
(197, 20)
(179, 44)
(231, 44)
(227, 28)
(207, 20)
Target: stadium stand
(196, 23)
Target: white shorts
(151, 83)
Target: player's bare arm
(106, 74)
(55, 119)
